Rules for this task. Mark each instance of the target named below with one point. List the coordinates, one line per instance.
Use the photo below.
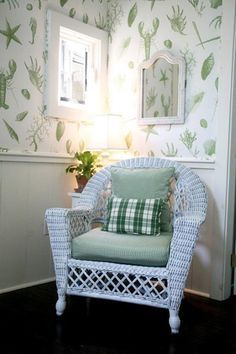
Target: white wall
(26, 190)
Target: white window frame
(97, 42)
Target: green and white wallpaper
(190, 28)
(136, 30)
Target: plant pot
(81, 182)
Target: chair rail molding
(27, 156)
(18, 156)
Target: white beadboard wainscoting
(30, 184)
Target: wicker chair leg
(60, 305)
(174, 321)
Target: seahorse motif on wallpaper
(33, 28)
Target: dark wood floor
(28, 324)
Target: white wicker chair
(155, 286)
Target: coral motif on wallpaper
(136, 30)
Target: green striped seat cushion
(133, 216)
(99, 245)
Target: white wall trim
(27, 285)
(18, 156)
(224, 188)
(195, 163)
(46, 157)
(52, 279)
(195, 292)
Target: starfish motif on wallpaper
(10, 34)
(164, 77)
(150, 129)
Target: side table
(75, 196)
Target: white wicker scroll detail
(153, 286)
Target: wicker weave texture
(159, 287)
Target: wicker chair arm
(189, 218)
(186, 232)
(68, 223)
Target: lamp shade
(106, 133)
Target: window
(76, 68)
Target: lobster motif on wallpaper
(148, 35)
(6, 82)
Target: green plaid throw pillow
(133, 216)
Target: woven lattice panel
(118, 283)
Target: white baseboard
(48, 280)
(27, 285)
(195, 292)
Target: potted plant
(84, 168)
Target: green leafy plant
(86, 164)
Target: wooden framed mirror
(162, 89)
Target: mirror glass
(76, 68)
(162, 90)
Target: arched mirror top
(162, 89)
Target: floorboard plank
(28, 324)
